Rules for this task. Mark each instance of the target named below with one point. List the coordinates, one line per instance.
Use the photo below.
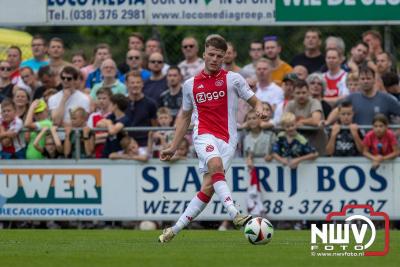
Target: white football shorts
(208, 146)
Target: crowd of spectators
(50, 103)
(49, 100)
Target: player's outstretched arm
(182, 125)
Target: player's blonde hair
(164, 110)
(288, 117)
(352, 77)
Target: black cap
(290, 77)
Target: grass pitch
(58, 248)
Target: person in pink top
(380, 143)
(212, 97)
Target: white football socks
(195, 207)
(222, 190)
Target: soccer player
(212, 96)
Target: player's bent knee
(215, 165)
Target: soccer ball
(259, 231)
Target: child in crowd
(78, 120)
(130, 150)
(380, 143)
(182, 151)
(291, 148)
(48, 93)
(115, 124)
(159, 139)
(12, 142)
(257, 144)
(52, 147)
(352, 83)
(103, 108)
(345, 142)
(267, 123)
(36, 120)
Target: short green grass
(58, 248)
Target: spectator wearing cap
(109, 71)
(67, 99)
(39, 52)
(308, 112)
(256, 52)
(272, 50)
(229, 59)
(317, 85)
(312, 57)
(335, 77)
(287, 87)
(36, 119)
(267, 91)
(192, 64)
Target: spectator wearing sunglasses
(67, 99)
(192, 64)
(134, 62)
(157, 83)
(6, 87)
(153, 45)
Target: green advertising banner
(338, 10)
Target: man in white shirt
(67, 99)
(267, 91)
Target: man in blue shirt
(39, 51)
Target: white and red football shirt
(18, 142)
(336, 84)
(214, 100)
(93, 119)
